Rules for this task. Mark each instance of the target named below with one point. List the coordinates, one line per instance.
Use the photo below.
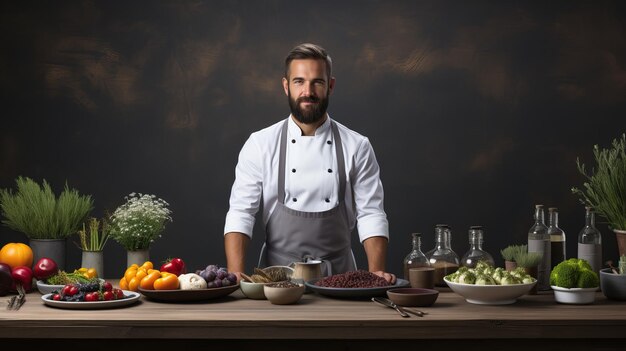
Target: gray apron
(298, 236)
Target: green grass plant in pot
(137, 223)
(604, 188)
(47, 220)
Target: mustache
(307, 99)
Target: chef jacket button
(293, 170)
(330, 170)
(327, 200)
(329, 142)
(294, 199)
(293, 141)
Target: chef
(316, 179)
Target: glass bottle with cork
(416, 257)
(590, 241)
(539, 242)
(442, 258)
(557, 238)
(476, 252)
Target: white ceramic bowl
(283, 296)
(253, 290)
(48, 288)
(490, 294)
(613, 285)
(578, 296)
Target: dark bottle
(557, 238)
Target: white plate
(131, 298)
(490, 294)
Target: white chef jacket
(311, 179)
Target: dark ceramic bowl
(613, 285)
(413, 297)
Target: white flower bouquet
(138, 222)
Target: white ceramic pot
(577, 296)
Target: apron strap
(281, 163)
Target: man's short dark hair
(308, 51)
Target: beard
(313, 113)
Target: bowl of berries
(93, 295)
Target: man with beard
(317, 180)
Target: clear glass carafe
(539, 242)
(442, 258)
(590, 242)
(476, 252)
(557, 238)
(416, 257)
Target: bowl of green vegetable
(485, 285)
(574, 282)
(59, 280)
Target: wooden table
(318, 322)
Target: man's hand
(389, 277)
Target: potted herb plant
(529, 263)
(137, 223)
(604, 188)
(92, 240)
(510, 253)
(45, 219)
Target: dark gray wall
(477, 110)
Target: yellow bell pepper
(88, 273)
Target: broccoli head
(565, 274)
(587, 279)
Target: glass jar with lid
(442, 258)
(416, 257)
(476, 252)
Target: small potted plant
(137, 223)
(509, 254)
(92, 240)
(604, 188)
(45, 219)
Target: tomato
(147, 283)
(118, 293)
(123, 284)
(92, 296)
(56, 297)
(174, 266)
(107, 286)
(16, 254)
(168, 281)
(69, 290)
(45, 268)
(107, 295)
(23, 276)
